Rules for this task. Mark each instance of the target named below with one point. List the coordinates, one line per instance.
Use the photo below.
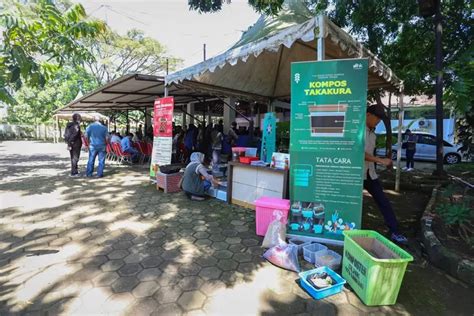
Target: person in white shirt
(115, 138)
(375, 114)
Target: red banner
(163, 117)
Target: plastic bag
(276, 232)
(285, 256)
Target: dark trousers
(410, 158)
(374, 187)
(75, 152)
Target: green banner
(268, 137)
(328, 104)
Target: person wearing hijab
(196, 179)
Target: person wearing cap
(375, 114)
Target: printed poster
(162, 133)
(268, 137)
(328, 106)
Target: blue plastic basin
(322, 293)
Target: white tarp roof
(258, 66)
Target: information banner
(268, 137)
(162, 133)
(328, 104)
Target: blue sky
(182, 31)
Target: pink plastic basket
(265, 212)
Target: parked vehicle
(426, 149)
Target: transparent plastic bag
(285, 256)
(276, 232)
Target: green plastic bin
(373, 266)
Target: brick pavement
(117, 246)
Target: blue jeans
(410, 158)
(374, 187)
(207, 184)
(93, 153)
(135, 154)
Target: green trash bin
(373, 266)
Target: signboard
(268, 137)
(328, 106)
(280, 161)
(162, 133)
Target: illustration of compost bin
(328, 120)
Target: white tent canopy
(258, 66)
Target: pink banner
(163, 117)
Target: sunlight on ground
(134, 224)
(243, 299)
(392, 192)
(31, 202)
(36, 273)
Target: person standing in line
(410, 147)
(374, 115)
(72, 136)
(97, 135)
(217, 138)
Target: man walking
(72, 136)
(375, 114)
(97, 135)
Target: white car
(425, 149)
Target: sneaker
(410, 169)
(399, 238)
(404, 168)
(76, 175)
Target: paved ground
(117, 246)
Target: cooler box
(265, 212)
(373, 266)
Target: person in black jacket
(72, 136)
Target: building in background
(420, 116)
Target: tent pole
(399, 141)
(321, 46)
(128, 122)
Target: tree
(37, 39)
(393, 30)
(36, 104)
(117, 55)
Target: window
(427, 140)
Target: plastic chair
(121, 155)
(110, 152)
(144, 150)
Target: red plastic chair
(110, 152)
(121, 155)
(144, 150)
(149, 147)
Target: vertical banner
(328, 105)
(268, 137)
(162, 133)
